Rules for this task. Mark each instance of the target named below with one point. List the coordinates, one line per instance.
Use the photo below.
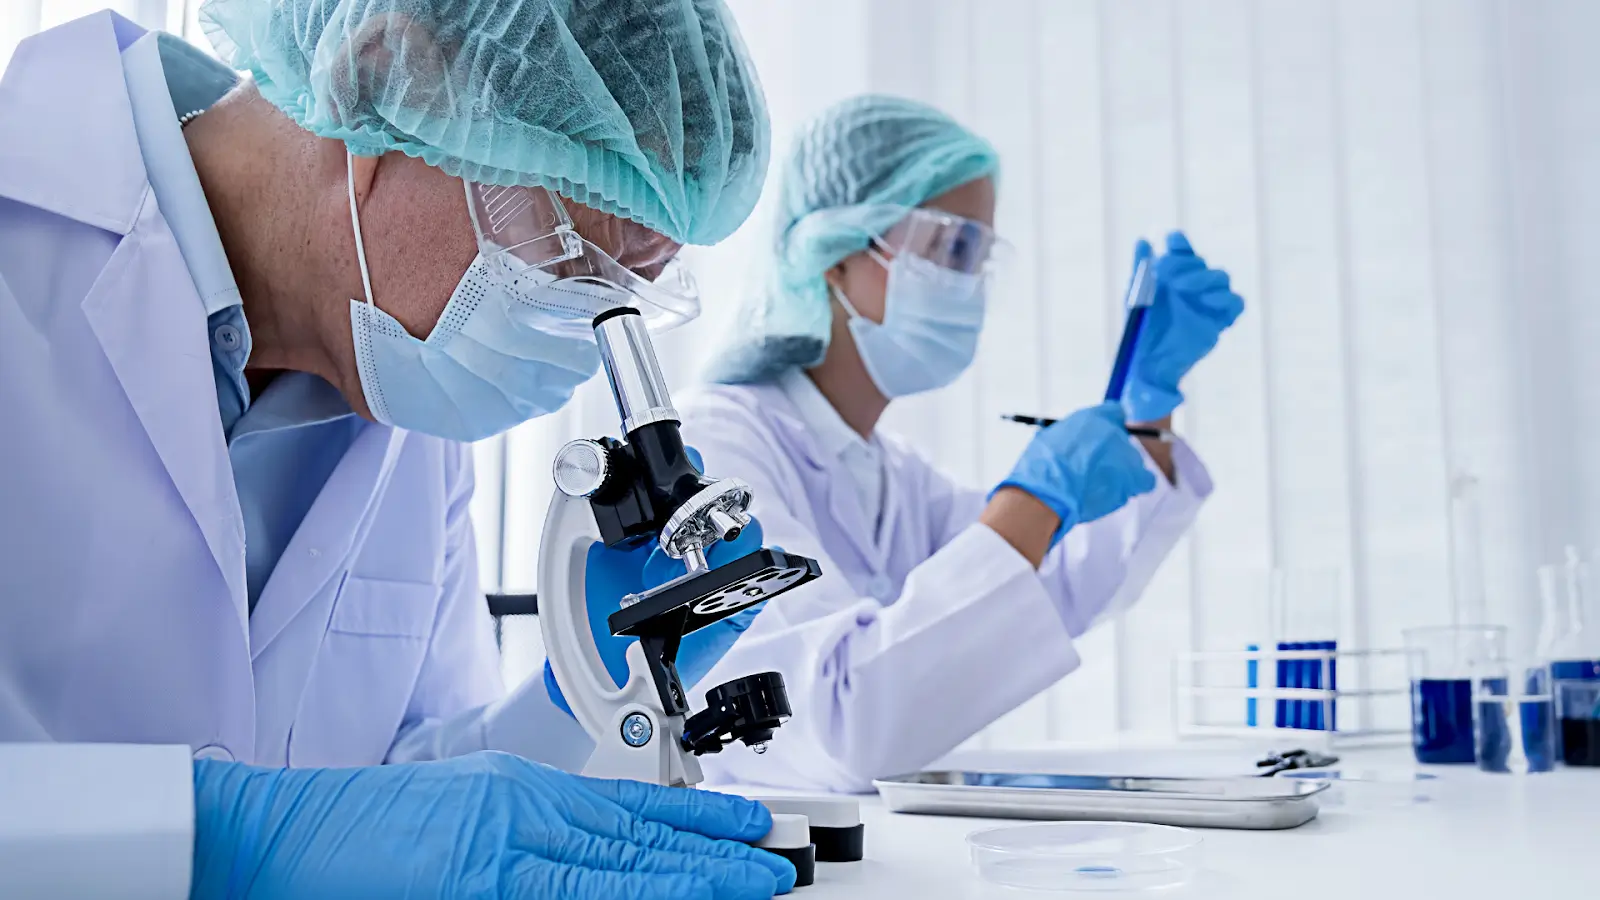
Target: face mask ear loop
(355, 223)
(844, 301)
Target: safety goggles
(554, 279)
(954, 242)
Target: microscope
(624, 493)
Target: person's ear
(835, 276)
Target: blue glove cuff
(1145, 402)
(554, 690)
(1064, 509)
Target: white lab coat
(123, 615)
(912, 641)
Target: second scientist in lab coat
(945, 607)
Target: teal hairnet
(648, 109)
(845, 165)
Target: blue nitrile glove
(611, 575)
(484, 825)
(1082, 467)
(1193, 305)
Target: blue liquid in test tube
(1280, 707)
(1252, 679)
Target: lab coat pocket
(362, 680)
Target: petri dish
(1086, 856)
(1368, 789)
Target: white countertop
(1480, 835)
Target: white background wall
(1404, 194)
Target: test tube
(1304, 603)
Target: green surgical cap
(648, 109)
(845, 167)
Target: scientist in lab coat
(946, 607)
(245, 329)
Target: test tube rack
(1209, 688)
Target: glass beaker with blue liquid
(1514, 719)
(1443, 661)
(1570, 640)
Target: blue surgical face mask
(478, 373)
(931, 320)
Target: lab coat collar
(831, 433)
(163, 72)
(76, 154)
(822, 453)
(56, 83)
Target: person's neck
(244, 151)
(843, 380)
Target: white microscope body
(622, 493)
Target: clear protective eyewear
(556, 280)
(951, 241)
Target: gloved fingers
(1197, 324)
(1171, 268)
(694, 457)
(688, 837)
(1111, 411)
(1141, 483)
(729, 879)
(1178, 243)
(699, 823)
(705, 813)
(1223, 307)
(1121, 480)
(1199, 282)
(528, 877)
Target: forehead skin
(974, 200)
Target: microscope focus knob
(581, 468)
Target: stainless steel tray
(1245, 803)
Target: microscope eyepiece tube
(632, 369)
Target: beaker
(1569, 639)
(1514, 718)
(1578, 708)
(1442, 661)
(1569, 631)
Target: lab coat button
(214, 752)
(227, 337)
(879, 587)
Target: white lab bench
(1481, 835)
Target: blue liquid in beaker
(1506, 722)
(1441, 720)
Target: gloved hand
(1083, 467)
(484, 825)
(612, 574)
(1193, 305)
